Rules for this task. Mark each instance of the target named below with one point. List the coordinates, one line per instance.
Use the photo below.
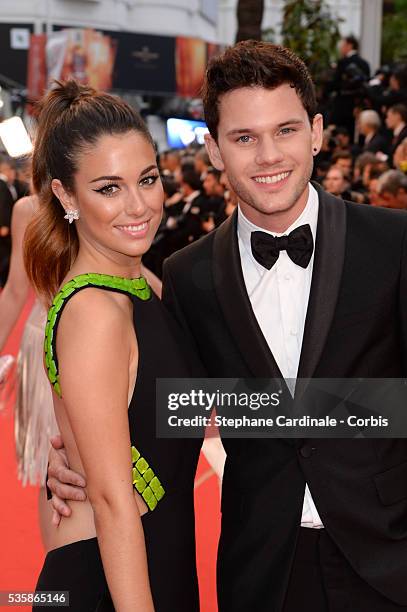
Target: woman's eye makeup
(107, 190)
(149, 180)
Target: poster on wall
(82, 54)
(192, 55)
(37, 68)
(190, 64)
(144, 63)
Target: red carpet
(21, 549)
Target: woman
(130, 546)
(34, 420)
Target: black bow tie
(299, 245)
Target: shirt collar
(398, 129)
(192, 196)
(309, 215)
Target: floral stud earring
(72, 215)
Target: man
(392, 187)
(309, 524)
(344, 160)
(400, 156)
(352, 71)
(170, 161)
(395, 93)
(213, 210)
(349, 52)
(212, 184)
(369, 125)
(8, 174)
(396, 121)
(6, 208)
(201, 162)
(335, 181)
(185, 227)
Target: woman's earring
(72, 215)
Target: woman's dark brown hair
(72, 118)
(251, 63)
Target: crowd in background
(363, 159)
(14, 184)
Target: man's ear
(214, 153)
(65, 198)
(317, 133)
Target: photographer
(351, 73)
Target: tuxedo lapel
(325, 284)
(235, 303)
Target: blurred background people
(396, 121)
(392, 189)
(400, 156)
(9, 174)
(351, 71)
(201, 162)
(370, 126)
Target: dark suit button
(306, 451)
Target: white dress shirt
(279, 298)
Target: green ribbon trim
(133, 286)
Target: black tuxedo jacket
(356, 326)
(379, 142)
(398, 140)
(342, 74)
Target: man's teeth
(134, 228)
(271, 179)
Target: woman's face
(119, 196)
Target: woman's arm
(15, 292)
(94, 347)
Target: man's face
(344, 47)
(335, 181)
(399, 200)
(394, 84)
(375, 198)
(172, 162)
(345, 165)
(343, 140)
(364, 128)
(211, 186)
(392, 119)
(265, 145)
(8, 171)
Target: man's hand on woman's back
(63, 483)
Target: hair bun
(71, 91)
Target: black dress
(169, 529)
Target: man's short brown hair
(252, 63)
